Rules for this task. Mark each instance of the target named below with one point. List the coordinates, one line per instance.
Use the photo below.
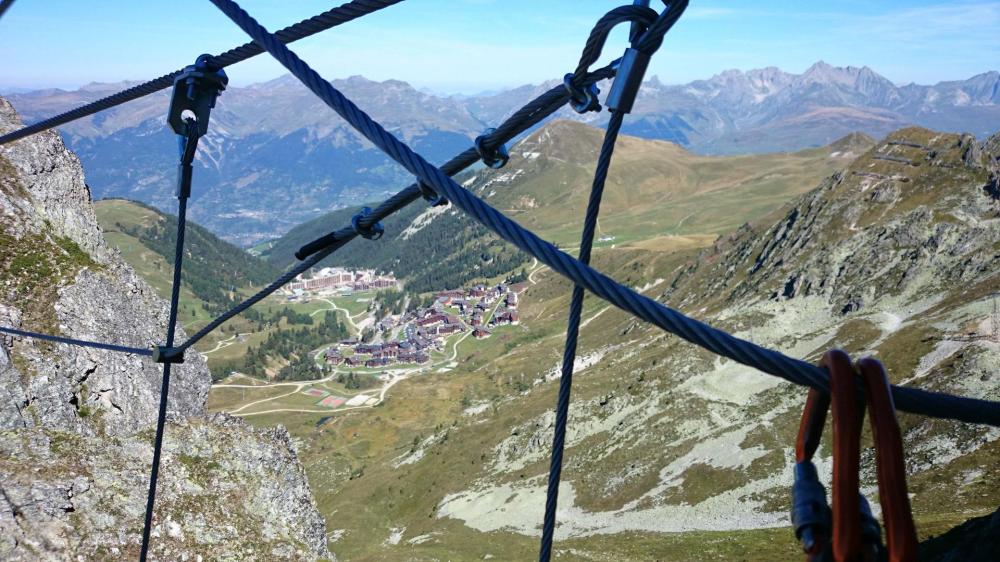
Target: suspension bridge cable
(305, 28)
(628, 75)
(4, 6)
(185, 169)
(913, 400)
(572, 332)
(81, 343)
(528, 116)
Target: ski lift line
(82, 343)
(305, 28)
(932, 404)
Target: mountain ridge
(274, 146)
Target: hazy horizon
(451, 48)
(501, 88)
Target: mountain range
(658, 194)
(275, 146)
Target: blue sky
(474, 45)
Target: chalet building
(448, 329)
(333, 357)
(432, 320)
(506, 317)
(415, 357)
(511, 300)
(480, 333)
(448, 297)
(477, 319)
(377, 362)
(352, 362)
(478, 292)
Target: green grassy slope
(654, 188)
(658, 196)
(215, 271)
(213, 268)
(658, 427)
(449, 251)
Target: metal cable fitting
(498, 157)
(432, 197)
(373, 232)
(582, 99)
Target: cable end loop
(373, 232)
(164, 354)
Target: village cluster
(411, 337)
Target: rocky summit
(76, 424)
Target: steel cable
(929, 403)
(331, 18)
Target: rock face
(75, 423)
(909, 218)
(226, 492)
(58, 275)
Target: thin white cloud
(959, 21)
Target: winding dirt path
(397, 375)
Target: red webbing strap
(847, 418)
(900, 532)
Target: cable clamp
(164, 354)
(582, 99)
(431, 196)
(195, 90)
(373, 232)
(628, 80)
(497, 158)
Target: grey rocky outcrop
(76, 423)
(103, 301)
